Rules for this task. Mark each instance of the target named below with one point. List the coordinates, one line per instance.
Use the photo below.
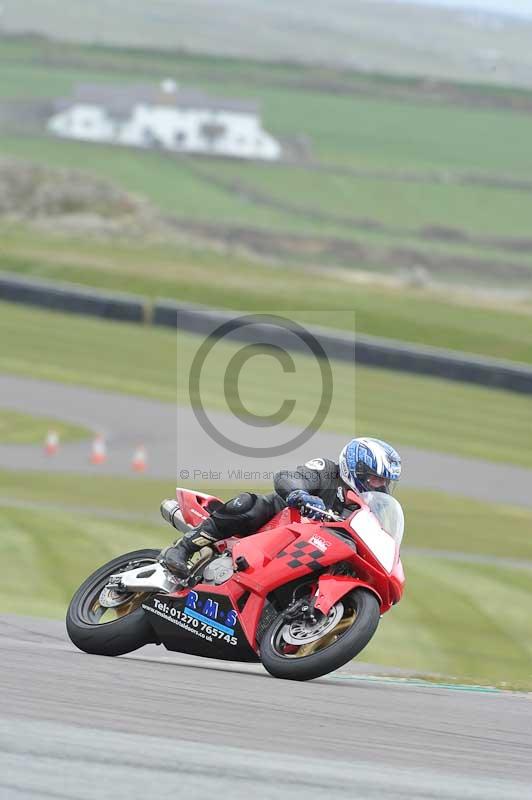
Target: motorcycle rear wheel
(338, 645)
(110, 632)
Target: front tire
(300, 664)
(129, 630)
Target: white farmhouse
(144, 115)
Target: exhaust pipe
(172, 513)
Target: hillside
(410, 195)
(370, 35)
(429, 182)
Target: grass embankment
(469, 622)
(186, 273)
(17, 428)
(247, 194)
(464, 620)
(426, 412)
(383, 219)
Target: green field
(391, 219)
(287, 199)
(460, 620)
(191, 191)
(388, 222)
(426, 412)
(280, 228)
(18, 428)
(400, 206)
(360, 130)
(164, 180)
(233, 280)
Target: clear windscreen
(388, 512)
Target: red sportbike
(300, 596)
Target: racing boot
(175, 557)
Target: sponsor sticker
(205, 624)
(208, 610)
(320, 543)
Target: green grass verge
(464, 526)
(470, 622)
(191, 274)
(139, 495)
(463, 620)
(18, 428)
(426, 412)
(56, 550)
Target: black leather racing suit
(246, 513)
(319, 477)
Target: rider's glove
(299, 499)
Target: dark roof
(121, 99)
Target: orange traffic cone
(51, 444)
(139, 462)
(98, 451)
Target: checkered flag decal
(302, 554)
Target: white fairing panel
(380, 543)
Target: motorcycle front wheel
(299, 650)
(104, 631)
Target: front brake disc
(303, 631)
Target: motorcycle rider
(365, 464)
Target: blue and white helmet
(370, 465)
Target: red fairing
(194, 505)
(281, 555)
(332, 588)
(288, 549)
(397, 581)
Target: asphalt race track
(177, 445)
(74, 726)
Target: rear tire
(333, 656)
(123, 635)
